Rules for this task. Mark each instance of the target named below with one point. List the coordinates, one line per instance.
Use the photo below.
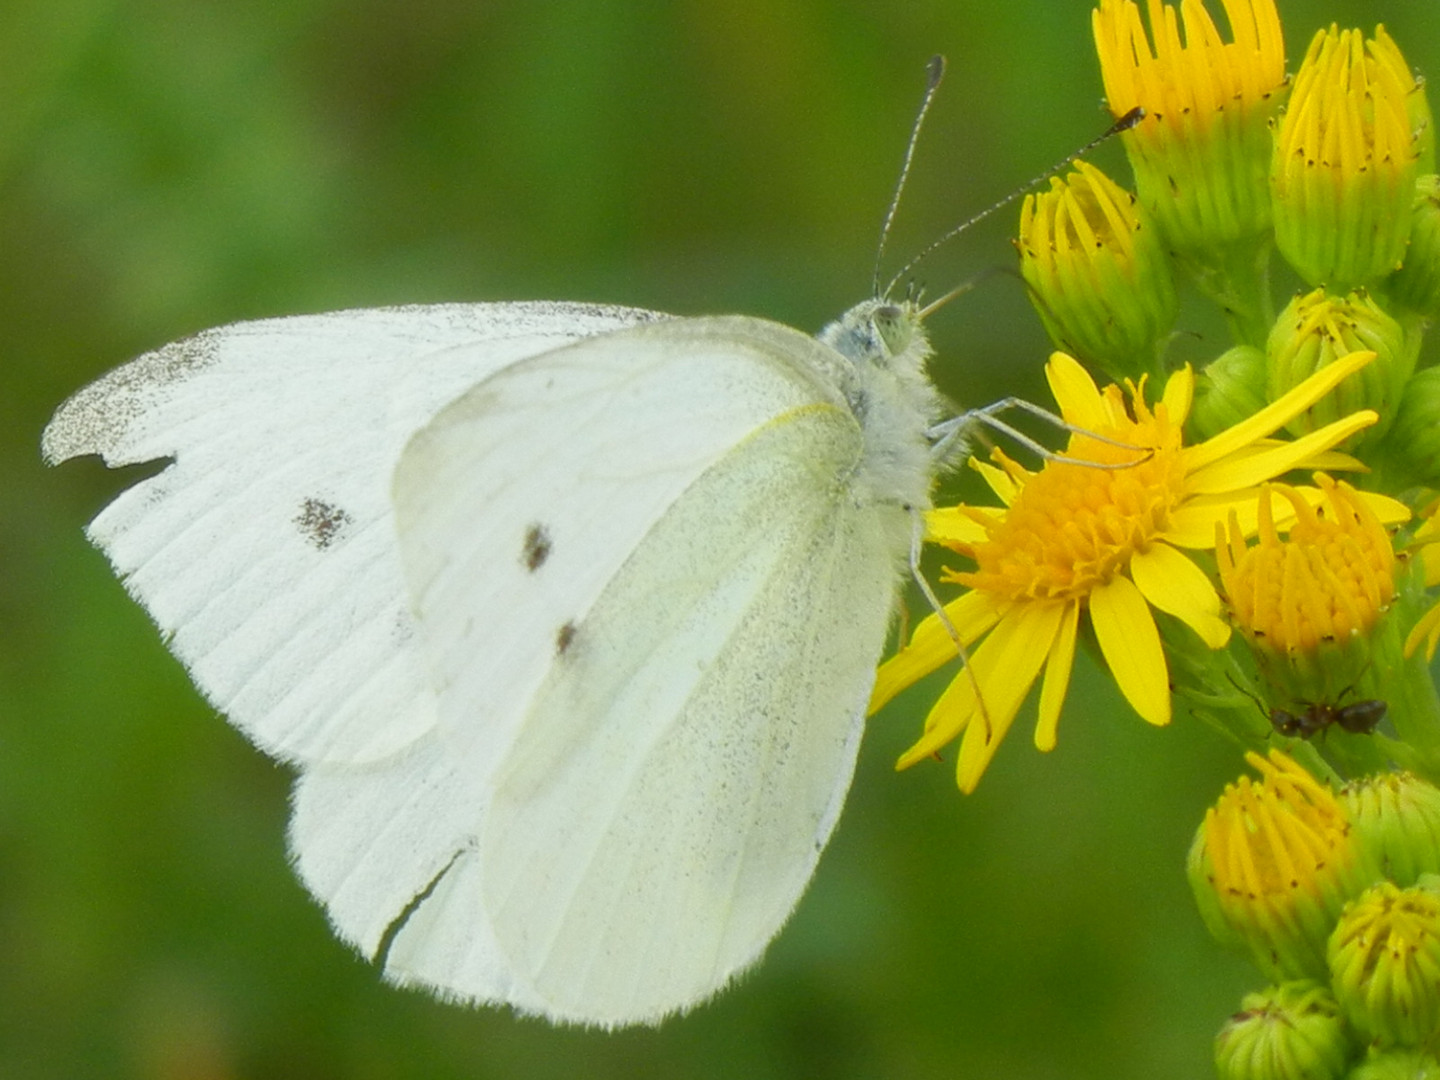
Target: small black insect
(1317, 717)
(1358, 718)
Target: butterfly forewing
(265, 551)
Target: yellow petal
(1325, 461)
(993, 668)
(1277, 414)
(931, 646)
(1427, 630)
(1057, 678)
(1334, 461)
(1172, 583)
(1389, 511)
(1192, 526)
(1126, 632)
(1075, 392)
(1001, 482)
(1005, 678)
(1247, 470)
(1179, 393)
(1430, 559)
(955, 525)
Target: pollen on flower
(1328, 581)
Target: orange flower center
(1073, 527)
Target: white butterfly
(566, 615)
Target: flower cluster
(1337, 899)
(1196, 536)
(1188, 503)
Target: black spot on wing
(564, 638)
(537, 547)
(322, 523)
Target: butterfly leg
(949, 437)
(917, 539)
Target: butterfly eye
(892, 327)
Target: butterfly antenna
(934, 72)
(1125, 123)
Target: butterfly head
(880, 333)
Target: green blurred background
(169, 165)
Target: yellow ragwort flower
(1347, 154)
(1107, 541)
(1202, 153)
(1310, 600)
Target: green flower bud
(1346, 157)
(1274, 865)
(1396, 1065)
(1396, 816)
(1417, 283)
(1288, 1032)
(1410, 451)
(1099, 277)
(1230, 389)
(1314, 331)
(1384, 959)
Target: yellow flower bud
(1274, 864)
(1201, 154)
(1309, 602)
(1098, 274)
(1346, 158)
